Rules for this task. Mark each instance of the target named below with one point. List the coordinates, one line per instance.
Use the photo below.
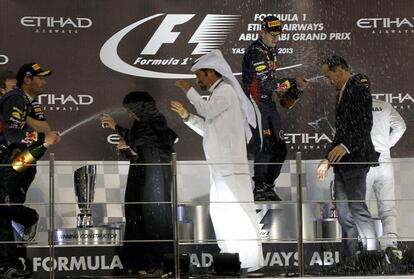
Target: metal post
(174, 207)
(51, 214)
(299, 213)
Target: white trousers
(234, 218)
(380, 186)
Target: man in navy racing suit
(264, 88)
(15, 108)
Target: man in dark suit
(351, 154)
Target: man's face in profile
(332, 77)
(202, 79)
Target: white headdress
(215, 60)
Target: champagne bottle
(28, 157)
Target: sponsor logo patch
(260, 68)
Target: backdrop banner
(101, 50)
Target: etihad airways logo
(386, 25)
(63, 102)
(397, 100)
(171, 36)
(307, 141)
(278, 259)
(3, 59)
(113, 139)
(50, 24)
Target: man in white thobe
(223, 122)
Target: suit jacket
(353, 121)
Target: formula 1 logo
(210, 34)
(77, 263)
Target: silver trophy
(86, 233)
(84, 182)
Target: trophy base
(84, 220)
(88, 236)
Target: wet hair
(5, 75)
(142, 104)
(215, 72)
(336, 61)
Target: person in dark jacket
(352, 153)
(149, 140)
(264, 87)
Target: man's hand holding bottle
(22, 159)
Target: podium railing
(294, 220)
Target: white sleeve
(196, 123)
(346, 148)
(210, 109)
(397, 126)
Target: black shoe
(371, 261)
(343, 268)
(151, 273)
(393, 255)
(270, 192)
(272, 196)
(26, 233)
(27, 273)
(12, 273)
(244, 272)
(265, 195)
(259, 194)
